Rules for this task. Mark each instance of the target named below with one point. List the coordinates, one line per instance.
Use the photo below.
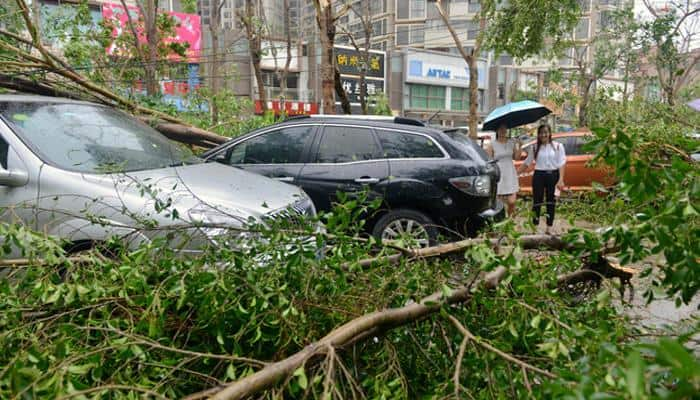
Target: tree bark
(254, 45)
(214, 70)
(471, 60)
(340, 91)
(367, 26)
(326, 26)
(150, 16)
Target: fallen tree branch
(385, 319)
(526, 241)
(505, 356)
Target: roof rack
(390, 119)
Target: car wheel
(411, 229)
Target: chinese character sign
(187, 29)
(352, 88)
(351, 62)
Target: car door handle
(366, 180)
(285, 178)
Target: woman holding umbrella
(505, 151)
(509, 116)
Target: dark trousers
(544, 183)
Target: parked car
(85, 172)
(424, 178)
(579, 174)
(483, 137)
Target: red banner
(188, 29)
(290, 107)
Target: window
(284, 146)
(474, 6)
(577, 146)
(406, 145)
(4, 148)
(585, 5)
(345, 144)
(427, 97)
(460, 99)
(90, 138)
(410, 9)
(402, 35)
(410, 34)
(582, 29)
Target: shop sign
(349, 62)
(289, 107)
(352, 88)
(441, 69)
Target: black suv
(426, 179)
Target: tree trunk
(288, 61)
(471, 60)
(585, 99)
(214, 78)
(367, 24)
(324, 19)
(254, 45)
(473, 97)
(342, 95)
(151, 67)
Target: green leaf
(635, 376)
(512, 330)
(446, 291)
(676, 356)
(301, 377)
(80, 369)
(535, 321)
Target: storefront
(436, 84)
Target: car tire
(404, 222)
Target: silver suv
(85, 172)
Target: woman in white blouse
(549, 158)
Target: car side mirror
(13, 177)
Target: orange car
(578, 174)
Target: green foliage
(524, 28)
(150, 320)
(380, 104)
(648, 145)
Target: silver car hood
(216, 188)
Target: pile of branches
(31, 67)
(148, 315)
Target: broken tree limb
(526, 241)
(190, 134)
(384, 320)
(468, 335)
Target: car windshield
(91, 138)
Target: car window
(577, 144)
(282, 146)
(406, 145)
(4, 148)
(346, 144)
(91, 138)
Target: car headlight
(479, 185)
(212, 222)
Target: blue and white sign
(441, 69)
